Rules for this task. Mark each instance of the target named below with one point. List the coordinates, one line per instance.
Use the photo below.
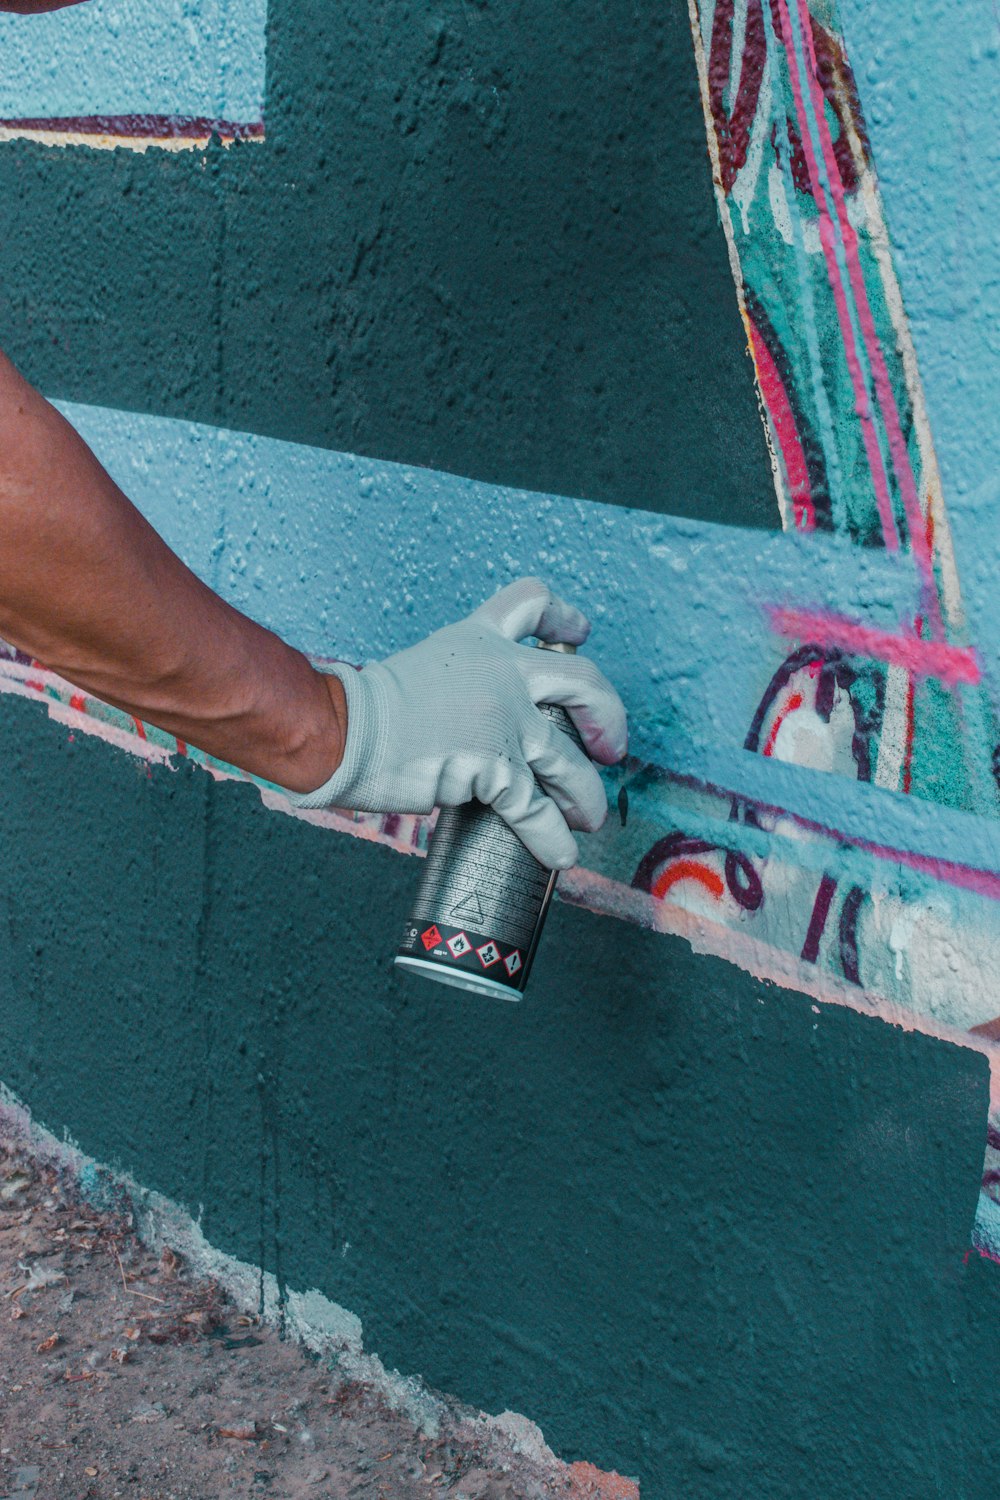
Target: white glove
(455, 717)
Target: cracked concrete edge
(311, 1318)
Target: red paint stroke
(794, 702)
(79, 702)
(140, 728)
(688, 869)
(783, 419)
(820, 912)
(182, 748)
(949, 664)
(156, 127)
(733, 130)
(880, 478)
(908, 744)
(910, 720)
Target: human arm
(89, 588)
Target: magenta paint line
(156, 127)
(820, 912)
(876, 464)
(949, 664)
(883, 386)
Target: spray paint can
(483, 898)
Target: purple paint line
(820, 912)
(156, 127)
(876, 464)
(949, 664)
(883, 386)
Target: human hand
(455, 718)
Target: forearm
(90, 589)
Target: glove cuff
(365, 744)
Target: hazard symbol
(459, 945)
(489, 954)
(512, 962)
(430, 938)
(468, 909)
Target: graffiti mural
(813, 789)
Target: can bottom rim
(459, 978)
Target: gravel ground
(122, 1374)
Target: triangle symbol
(468, 907)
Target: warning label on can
(468, 909)
(463, 948)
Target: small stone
(149, 1411)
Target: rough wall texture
(479, 238)
(471, 265)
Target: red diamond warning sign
(512, 962)
(430, 938)
(459, 945)
(488, 954)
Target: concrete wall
(694, 1206)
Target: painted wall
(469, 264)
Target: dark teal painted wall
(699, 1229)
(480, 238)
(695, 1227)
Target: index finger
(529, 607)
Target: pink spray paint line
(862, 406)
(883, 386)
(777, 403)
(949, 664)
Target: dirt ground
(124, 1375)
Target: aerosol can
(483, 898)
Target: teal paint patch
(655, 1193)
(481, 240)
(121, 58)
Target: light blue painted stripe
(354, 557)
(125, 57)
